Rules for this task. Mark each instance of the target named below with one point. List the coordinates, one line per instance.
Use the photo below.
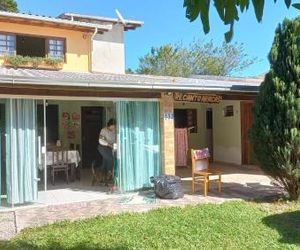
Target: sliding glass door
(23, 150)
(139, 157)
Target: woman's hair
(111, 122)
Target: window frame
(47, 41)
(191, 119)
(47, 38)
(15, 43)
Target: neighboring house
(69, 79)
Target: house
(62, 79)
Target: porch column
(167, 131)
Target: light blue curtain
(139, 155)
(21, 151)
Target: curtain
(181, 146)
(21, 151)
(138, 136)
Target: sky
(165, 22)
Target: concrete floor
(80, 200)
(79, 190)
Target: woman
(107, 139)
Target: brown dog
(99, 175)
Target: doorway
(91, 124)
(51, 122)
(246, 124)
(209, 131)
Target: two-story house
(62, 79)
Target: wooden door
(91, 124)
(246, 124)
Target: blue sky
(165, 22)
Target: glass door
(138, 129)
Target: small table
(73, 159)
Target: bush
(34, 62)
(275, 134)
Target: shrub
(275, 134)
(34, 62)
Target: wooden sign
(202, 98)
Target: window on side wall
(186, 118)
(56, 48)
(228, 111)
(7, 44)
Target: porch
(66, 202)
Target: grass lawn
(232, 225)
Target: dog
(99, 174)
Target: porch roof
(127, 81)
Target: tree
(129, 71)
(275, 134)
(228, 11)
(9, 5)
(197, 58)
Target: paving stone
(239, 183)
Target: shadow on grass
(287, 224)
(253, 191)
(24, 245)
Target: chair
(59, 163)
(201, 172)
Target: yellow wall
(77, 43)
(226, 131)
(227, 134)
(196, 140)
(75, 106)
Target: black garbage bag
(167, 186)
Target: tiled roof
(129, 81)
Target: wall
(167, 133)
(72, 107)
(77, 43)
(227, 134)
(196, 140)
(226, 131)
(108, 51)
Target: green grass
(232, 225)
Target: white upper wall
(108, 52)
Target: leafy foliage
(198, 58)
(228, 11)
(9, 5)
(34, 62)
(276, 129)
(232, 225)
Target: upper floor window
(56, 48)
(32, 46)
(7, 44)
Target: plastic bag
(167, 186)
